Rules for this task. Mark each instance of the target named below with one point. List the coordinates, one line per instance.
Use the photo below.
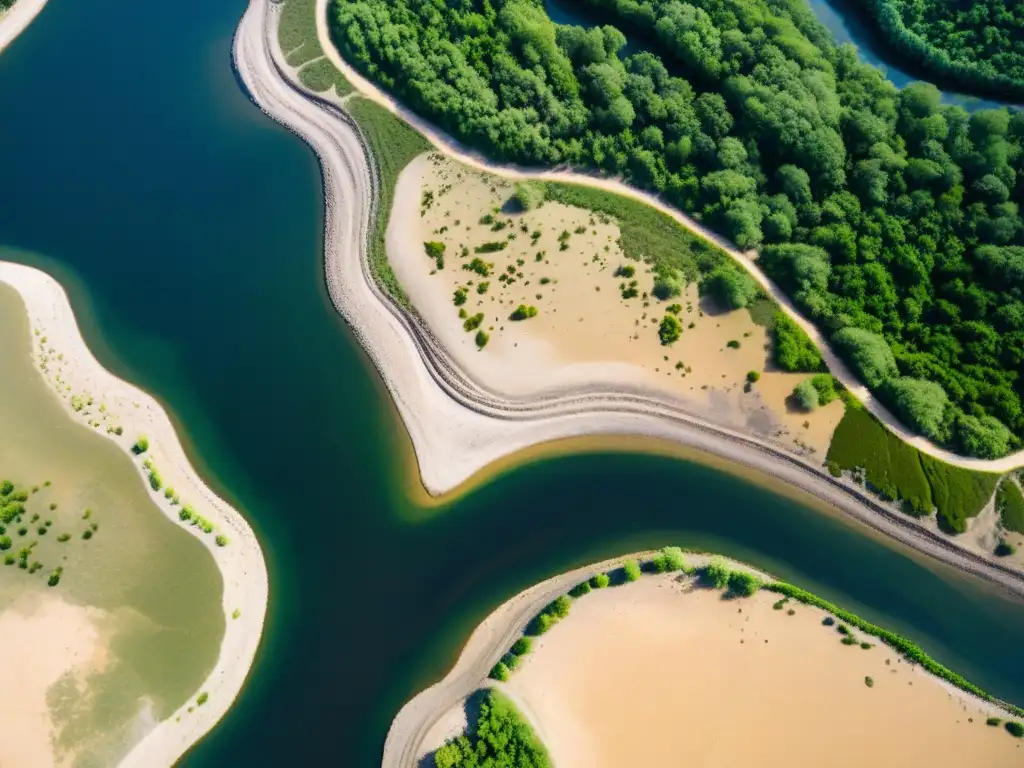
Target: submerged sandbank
(83, 386)
(655, 669)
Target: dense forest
(892, 220)
(977, 44)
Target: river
(187, 229)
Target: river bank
(17, 18)
(646, 635)
(137, 414)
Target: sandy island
(661, 669)
(456, 426)
(240, 562)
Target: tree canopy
(876, 208)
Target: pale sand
(646, 675)
(455, 427)
(240, 563)
(747, 260)
(584, 332)
(19, 16)
(42, 639)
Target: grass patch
(900, 644)
(296, 34)
(958, 493)
(647, 234)
(394, 145)
(762, 312)
(1010, 505)
(320, 75)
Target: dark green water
(187, 228)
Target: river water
(187, 229)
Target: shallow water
(187, 229)
(157, 588)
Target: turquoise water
(187, 228)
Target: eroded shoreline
(240, 562)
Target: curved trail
(474, 159)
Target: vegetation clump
(670, 330)
(715, 574)
(1010, 505)
(522, 312)
(529, 194)
(743, 584)
(141, 446)
(500, 737)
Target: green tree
(715, 574)
(868, 354)
(743, 583)
(670, 329)
(674, 559)
(631, 568)
(806, 395)
(730, 286)
(920, 404)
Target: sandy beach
(19, 16)
(585, 333)
(653, 671)
(64, 355)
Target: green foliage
(479, 266)
(221, 540)
(522, 312)
(668, 283)
(985, 437)
(753, 376)
(730, 286)
(500, 738)
(631, 570)
(826, 387)
(435, 250)
(522, 646)
(491, 247)
(296, 31)
(993, 721)
(868, 354)
(500, 671)
(670, 329)
(529, 194)
(1015, 729)
(743, 583)
(6, 542)
(900, 644)
(481, 339)
(674, 559)
(141, 446)
(473, 322)
(715, 574)
(600, 580)
(1010, 505)
(320, 75)
(792, 349)
(580, 589)
(920, 404)
(869, 682)
(393, 145)
(806, 395)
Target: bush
(580, 589)
(459, 297)
(141, 446)
(668, 283)
(522, 312)
(631, 570)
(670, 330)
(499, 671)
(993, 721)
(529, 194)
(715, 574)
(806, 395)
(730, 286)
(985, 437)
(753, 377)
(1015, 728)
(920, 404)
(472, 323)
(155, 481)
(221, 540)
(868, 354)
(674, 559)
(869, 682)
(743, 584)
(522, 646)
(792, 349)
(560, 607)
(1010, 505)
(826, 387)
(600, 580)
(186, 513)
(6, 542)
(203, 698)
(481, 339)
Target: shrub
(186, 513)
(715, 574)
(459, 297)
(6, 542)
(560, 607)
(600, 580)
(155, 481)
(869, 682)
(481, 339)
(670, 330)
(434, 249)
(141, 446)
(806, 395)
(221, 540)
(828, 621)
(87, 534)
(668, 283)
(522, 312)
(993, 721)
(6, 488)
(203, 698)
(849, 640)
(826, 386)
(920, 404)
(625, 270)
(1015, 728)
(491, 247)
(472, 323)
(1010, 505)
(631, 569)
(54, 579)
(793, 349)
(732, 344)
(529, 194)
(868, 354)
(499, 672)
(753, 377)
(522, 646)
(674, 559)
(64, 537)
(985, 437)
(580, 589)
(730, 286)
(744, 584)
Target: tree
(668, 283)
(868, 354)
(985, 437)
(826, 388)
(806, 395)
(600, 580)
(674, 559)
(792, 349)
(743, 583)
(920, 404)
(730, 286)
(141, 446)
(670, 329)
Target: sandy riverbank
(456, 427)
(19, 16)
(654, 669)
(137, 413)
(747, 260)
(585, 332)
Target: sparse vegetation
(141, 446)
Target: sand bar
(656, 673)
(240, 562)
(16, 18)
